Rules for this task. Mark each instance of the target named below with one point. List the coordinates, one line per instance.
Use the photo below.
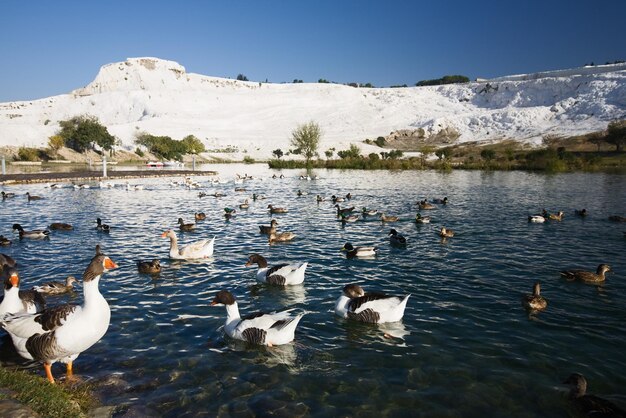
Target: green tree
(329, 153)
(162, 146)
(277, 153)
(81, 133)
(380, 141)
(242, 77)
(193, 145)
(617, 134)
(306, 138)
(353, 152)
(55, 142)
(488, 154)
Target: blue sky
(52, 47)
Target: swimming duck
(149, 267)
(200, 216)
(202, 194)
(446, 233)
(443, 201)
(185, 227)
(61, 226)
(280, 274)
(349, 218)
(424, 205)
(534, 302)
(102, 227)
(422, 219)
(616, 218)
(244, 205)
(55, 287)
(341, 211)
(582, 213)
(261, 328)
(268, 229)
(390, 218)
(16, 300)
(62, 332)
(556, 217)
(366, 212)
(395, 238)
(4, 241)
(240, 189)
(256, 197)
(277, 210)
(352, 251)
(587, 276)
(34, 234)
(195, 250)
(590, 405)
(349, 196)
(319, 198)
(7, 195)
(336, 199)
(33, 197)
(281, 237)
(371, 307)
(538, 219)
(6, 260)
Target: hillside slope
(160, 97)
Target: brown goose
(55, 287)
(185, 227)
(535, 302)
(590, 405)
(62, 332)
(61, 226)
(587, 276)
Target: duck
(102, 227)
(33, 197)
(55, 287)
(256, 197)
(269, 229)
(218, 194)
(587, 276)
(34, 234)
(368, 212)
(244, 205)
(319, 198)
(185, 227)
(195, 250)
(6, 260)
(240, 189)
(535, 302)
(590, 405)
(60, 226)
(202, 194)
(268, 329)
(336, 199)
(617, 218)
(537, 219)
(341, 211)
(556, 217)
(281, 237)
(422, 219)
(62, 332)
(16, 300)
(371, 307)
(4, 241)
(446, 233)
(280, 274)
(6, 195)
(385, 218)
(424, 205)
(349, 218)
(200, 216)
(395, 238)
(276, 210)
(582, 213)
(149, 267)
(348, 196)
(352, 252)
(443, 201)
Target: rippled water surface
(464, 348)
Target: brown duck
(587, 276)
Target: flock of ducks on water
(60, 333)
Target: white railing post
(104, 166)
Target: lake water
(465, 347)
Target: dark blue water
(465, 347)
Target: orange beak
(109, 264)
(163, 235)
(248, 264)
(15, 280)
(214, 303)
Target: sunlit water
(464, 348)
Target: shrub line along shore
(86, 176)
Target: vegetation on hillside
(446, 79)
(168, 148)
(82, 133)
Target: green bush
(28, 154)
(56, 142)
(353, 152)
(162, 146)
(248, 160)
(80, 133)
(380, 141)
(139, 152)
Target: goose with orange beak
(16, 300)
(62, 332)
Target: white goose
(16, 300)
(280, 274)
(193, 251)
(63, 332)
(374, 308)
(261, 328)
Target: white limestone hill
(159, 97)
